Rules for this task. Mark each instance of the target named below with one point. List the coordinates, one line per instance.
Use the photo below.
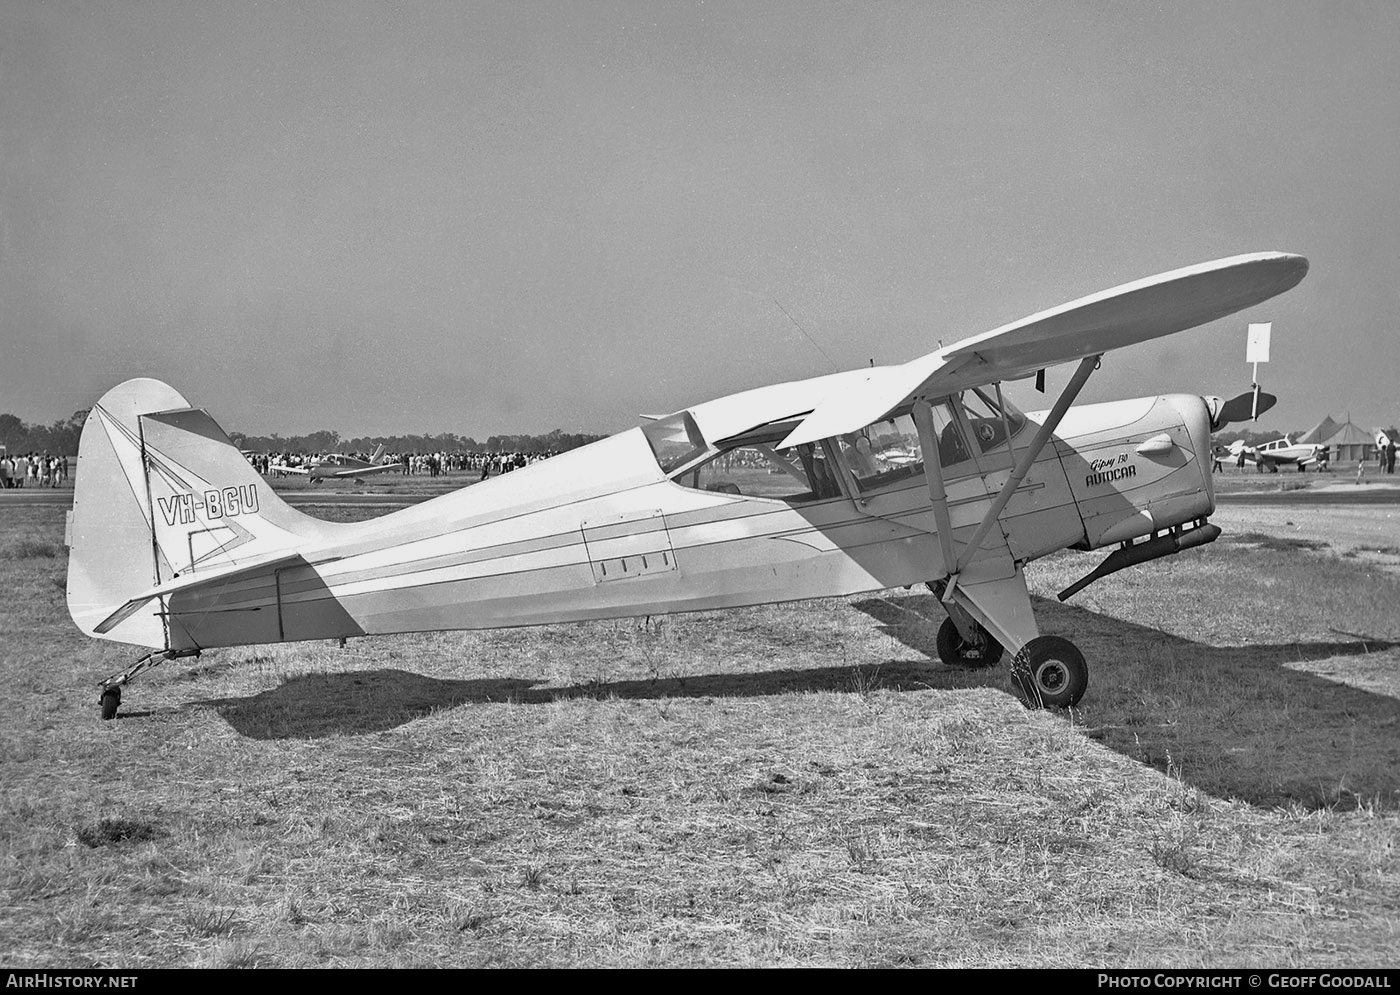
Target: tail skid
(162, 494)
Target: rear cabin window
(802, 473)
(675, 440)
(745, 464)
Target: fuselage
(1285, 451)
(618, 529)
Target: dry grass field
(794, 785)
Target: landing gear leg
(1049, 672)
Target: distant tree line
(326, 441)
(61, 438)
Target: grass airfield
(795, 785)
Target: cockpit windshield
(992, 416)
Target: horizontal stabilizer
(206, 579)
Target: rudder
(160, 492)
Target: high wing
(1123, 316)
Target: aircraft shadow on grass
(1293, 737)
(318, 705)
(1296, 738)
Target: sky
(384, 218)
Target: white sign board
(1257, 351)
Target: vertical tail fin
(160, 493)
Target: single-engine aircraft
(797, 490)
(1280, 452)
(336, 465)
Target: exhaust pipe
(1132, 554)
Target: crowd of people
(33, 469)
(486, 464)
(411, 464)
(44, 470)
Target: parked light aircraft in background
(340, 465)
(798, 490)
(1280, 452)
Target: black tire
(956, 652)
(111, 698)
(1049, 672)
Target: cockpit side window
(891, 450)
(884, 453)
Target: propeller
(1236, 409)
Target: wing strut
(1037, 443)
(938, 496)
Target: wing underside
(1112, 319)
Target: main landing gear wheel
(958, 652)
(1049, 672)
(111, 698)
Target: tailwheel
(1049, 672)
(111, 698)
(956, 651)
(110, 690)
